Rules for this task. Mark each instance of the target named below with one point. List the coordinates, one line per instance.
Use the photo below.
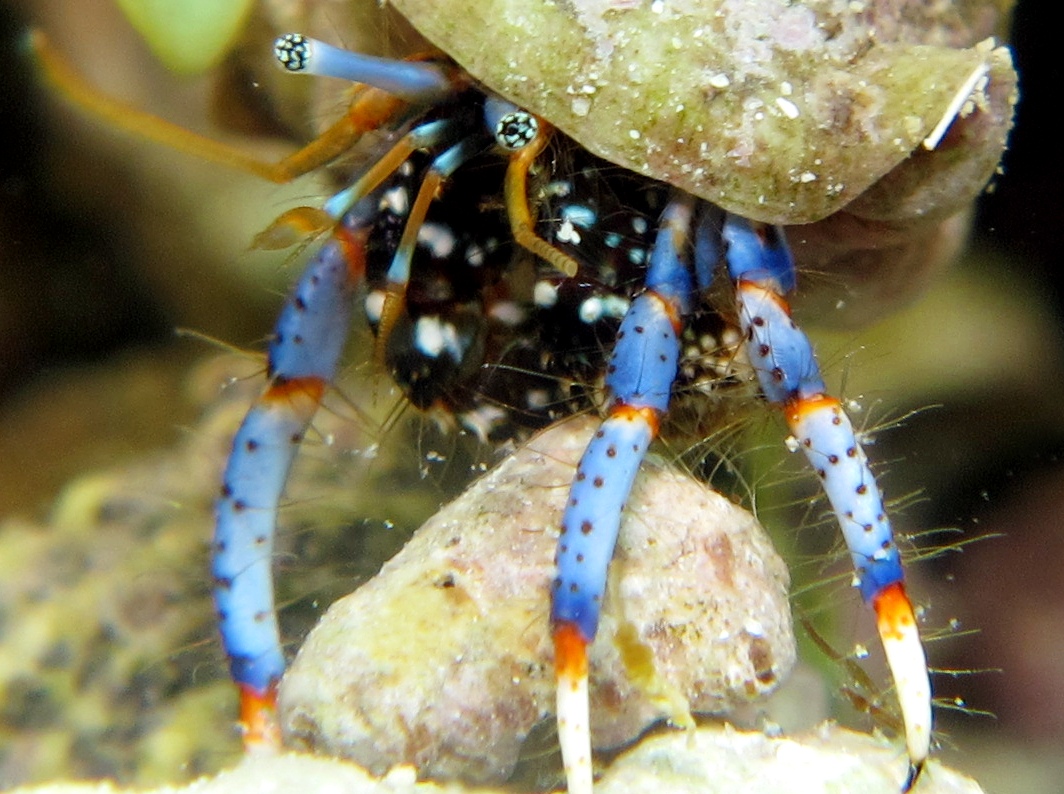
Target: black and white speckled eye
(512, 127)
(292, 51)
(516, 130)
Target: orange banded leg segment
(426, 136)
(258, 718)
(398, 275)
(760, 265)
(639, 377)
(243, 546)
(308, 339)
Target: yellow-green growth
(639, 663)
(189, 36)
(779, 111)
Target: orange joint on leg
(301, 394)
(634, 413)
(574, 726)
(749, 286)
(670, 309)
(894, 611)
(801, 407)
(570, 653)
(258, 718)
(353, 242)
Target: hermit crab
(561, 215)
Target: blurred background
(107, 245)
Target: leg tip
(915, 768)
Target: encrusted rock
(721, 759)
(712, 760)
(444, 660)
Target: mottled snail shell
(779, 111)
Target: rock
(722, 759)
(444, 662)
(711, 760)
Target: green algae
(778, 111)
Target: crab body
(492, 245)
(447, 313)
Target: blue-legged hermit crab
(503, 256)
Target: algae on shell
(781, 112)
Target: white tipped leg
(908, 666)
(574, 727)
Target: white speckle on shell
(788, 108)
(890, 72)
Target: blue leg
(760, 265)
(303, 355)
(314, 324)
(639, 378)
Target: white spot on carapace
(545, 294)
(508, 313)
(374, 305)
(580, 215)
(439, 239)
(396, 200)
(615, 306)
(482, 420)
(560, 188)
(537, 399)
(591, 310)
(433, 336)
(567, 234)
(474, 255)
(637, 256)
